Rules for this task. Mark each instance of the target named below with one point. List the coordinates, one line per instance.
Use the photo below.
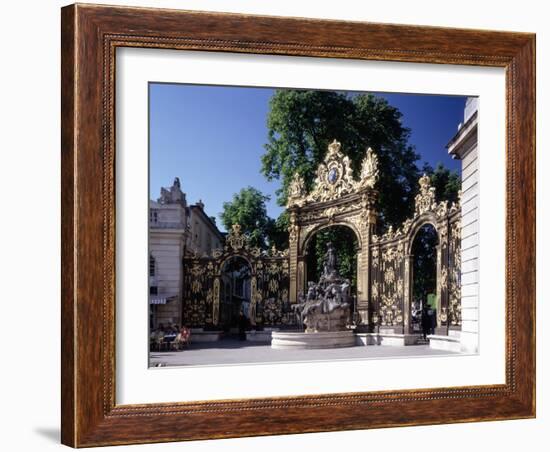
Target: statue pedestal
(337, 320)
(303, 340)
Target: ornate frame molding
(90, 36)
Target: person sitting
(182, 338)
(157, 337)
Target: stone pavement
(230, 351)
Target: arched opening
(346, 245)
(424, 277)
(235, 293)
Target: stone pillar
(301, 276)
(407, 293)
(363, 280)
(438, 284)
(363, 265)
(293, 237)
(216, 301)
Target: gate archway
(423, 274)
(336, 199)
(347, 245)
(384, 263)
(393, 261)
(235, 290)
(269, 284)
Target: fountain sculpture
(325, 312)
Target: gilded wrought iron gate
(391, 269)
(269, 284)
(385, 263)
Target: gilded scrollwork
(399, 290)
(203, 281)
(337, 198)
(424, 201)
(391, 282)
(293, 229)
(235, 239)
(369, 170)
(442, 209)
(443, 278)
(390, 313)
(389, 276)
(374, 289)
(334, 178)
(455, 292)
(455, 307)
(216, 302)
(443, 234)
(296, 191)
(253, 300)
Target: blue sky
(212, 138)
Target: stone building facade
(464, 146)
(175, 230)
(192, 255)
(204, 235)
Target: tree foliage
(425, 262)
(301, 124)
(278, 231)
(447, 183)
(346, 246)
(248, 209)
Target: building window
(152, 265)
(153, 216)
(153, 290)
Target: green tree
(346, 246)
(301, 124)
(248, 209)
(447, 183)
(424, 263)
(278, 231)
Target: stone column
(216, 301)
(443, 280)
(438, 284)
(367, 223)
(301, 276)
(407, 293)
(363, 268)
(293, 234)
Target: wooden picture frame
(90, 36)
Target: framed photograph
(281, 225)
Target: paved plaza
(230, 351)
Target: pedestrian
(433, 319)
(426, 321)
(243, 323)
(185, 335)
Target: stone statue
(327, 304)
(329, 266)
(173, 194)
